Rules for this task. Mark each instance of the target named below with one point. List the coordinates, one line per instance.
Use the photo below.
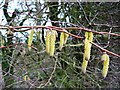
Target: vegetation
(68, 53)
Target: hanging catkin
(84, 65)
(105, 59)
(90, 38)
(52, 42)
(62, 36)
(30, 39)
(87, 50)
(63, 39)
(26, 78)
(48, 34)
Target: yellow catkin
(90, 37)
(105, 66)
(48, 33)
(86, 45)
(30, 39)
(103, 58)
(26, 78)
(52, 42)
(84, 65)
(87, 49)
(65, 37)
(62, 36)
(86, 35)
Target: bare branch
(105, 50)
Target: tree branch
(105, 50)
(63, 30)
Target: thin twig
(14, 28)
(17, 44)
(105, 50)
(105, 25)
(63, 30)
(90, 30)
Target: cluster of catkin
(87, 52)
(50, 41)
(50, 47)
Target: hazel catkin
(63, 39)
(62, 36)
(84, 65)
(87, 50)
(52, 42)
(30, 39)
(105, 65)
(48, 34)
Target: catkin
(65, 37)
(30, 39)
(90, 38)
(48, 34)
(86, 55)
(84, 65)
(87, 49)
(105, 65)
(26, 78)
(103, 58)
(62, 36)
(52, 42)
(86, 35)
